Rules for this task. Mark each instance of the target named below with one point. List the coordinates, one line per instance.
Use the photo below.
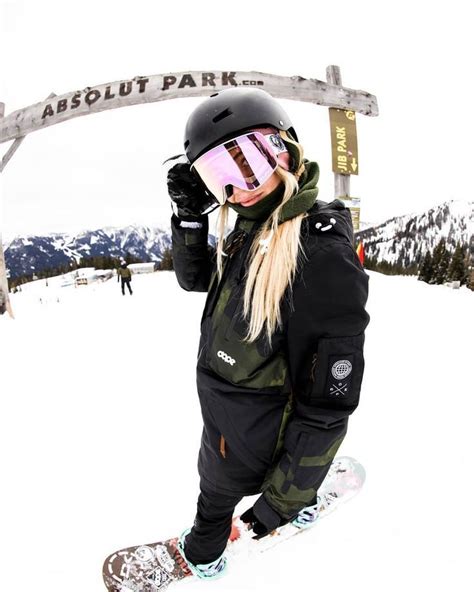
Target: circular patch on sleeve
(341, 369)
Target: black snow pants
(208, 537)
(126, 281)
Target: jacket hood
(330, 218)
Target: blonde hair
(274, 257)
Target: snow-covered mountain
(404, 240)
(29, 254)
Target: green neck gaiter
(306, 196)
(263, 208)
(301, 202)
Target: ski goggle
(246, 162)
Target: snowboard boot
(206, 571)
(308, 516)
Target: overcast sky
(104, 169)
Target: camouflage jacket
(275, 415)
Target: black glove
(262, 518)
(189, 197)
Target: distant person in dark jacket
(125, 275)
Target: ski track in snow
(100, 429)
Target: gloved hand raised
(189, 198)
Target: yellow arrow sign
(345, 158)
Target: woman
(280, 359)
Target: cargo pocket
(336, 372)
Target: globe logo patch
(341, 369)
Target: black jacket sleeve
(192, 256)
(325, 339)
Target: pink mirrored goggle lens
(246, 162)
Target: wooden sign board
(353, 203)
(345, 158)
(160, 87)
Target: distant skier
(125, 276)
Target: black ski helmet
(229, 111)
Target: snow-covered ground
(100, 428)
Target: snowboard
(153, 567)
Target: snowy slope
(405, 239)
(100, 427)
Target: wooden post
(3, 270)
(3, 163)
(342, 183)
(10, 152)
(4, 282)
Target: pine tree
(166, 263)
(426, 268)
(442, 274)
(437, 253)
(457, 270)
(440, 263)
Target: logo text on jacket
(225, 357)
